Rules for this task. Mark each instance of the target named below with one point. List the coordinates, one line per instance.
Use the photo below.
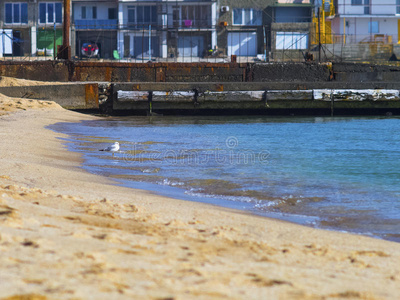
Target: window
(373, 27)
(58, 13)
(247, 16)
(291, 40)
(237, 16)
(16, 13)
(112, 13)
(366, 7)
(131, 14)
(356, 2)
(83, 12)
(142, 15)
(146, 14)
(50, 12)
(397, 6)
(192, 15)
(89, 12)
(94, 12)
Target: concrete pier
(214, 98)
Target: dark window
(131, 15)
(153, 14)
(140, 15)
(143, 15)
(366, 7)
(83, 12)
(147, 15)
(58, 12)
(50, 12)
(94, 12)
(356, 2)
(112, 13)
(42, 12)
(16, 13)
(8, 13)
(24, 13)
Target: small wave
(168, 182)
(198, 193)
(156, 170)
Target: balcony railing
(96, 24)
(139, 26)
(192, 23)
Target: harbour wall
(211, 88)
(255, 98)
(76, 71)
(78, 96)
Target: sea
(335, 173)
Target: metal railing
(195, 44)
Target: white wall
(360, 28)
(385, 7)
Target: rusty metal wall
(198, 72)
(124, 72)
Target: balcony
(96, 24)
(192, 24)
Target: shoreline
(168, 185)
(66, 233)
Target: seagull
(113, 148)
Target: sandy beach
(68, 234)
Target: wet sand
(68, 234)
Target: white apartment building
(367, 20)
(155, 28)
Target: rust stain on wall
(128, 74)
(108, 73)
(92, 95)
(160, 75)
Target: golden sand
(67, 234)
(10, 81)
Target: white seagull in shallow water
(113, 148)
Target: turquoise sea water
(334, 173)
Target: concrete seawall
(199, 72)
(263, 88)
(284, 98)
(70, 96)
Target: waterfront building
(290, 28)
(241, 27)
(30, 27)
(365, 21)
(166, 29)
(94, 22)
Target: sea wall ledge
(78, 96)
(243, 96)
(199, 72)
(128, 98)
